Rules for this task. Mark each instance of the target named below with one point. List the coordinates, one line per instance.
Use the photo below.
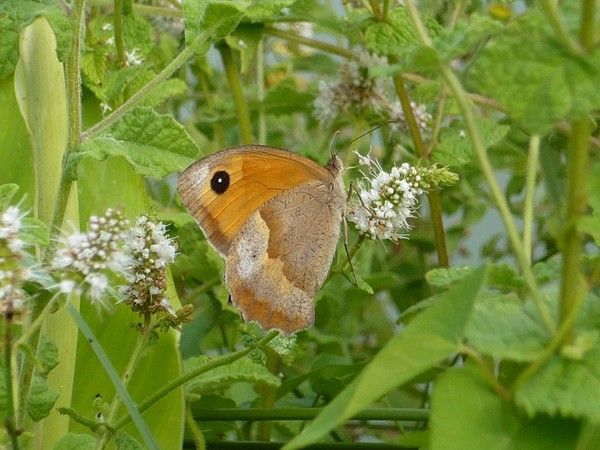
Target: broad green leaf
(534, 79)
(154, 144)
(7, 192)
(76, 441)
(47, 355)
(504, 327)
(428, 339)
(222, 377)
(245, 39)
(590, 437)
(466, 414)
(455, 147)
(442, 277)
(221, 17)
(41, 399)
(285, 98)
(16, 15)
(93, 65)
(564, 386)
(137, 35)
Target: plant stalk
(587, 35)
(118, 30)
(435, 205)
(9, 421)
(466, 109)
(313, 43)
(193, 374)
(550, 10)
(235, 85)
(260, 85)
(532, 167)
(140, 345)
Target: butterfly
(275, 217)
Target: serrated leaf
(428, 339)
(47, 355)
(41, 399)
(537, 81)
(466, 414)
(222, 377)
(7, 192)
(76, 441)
(503, 327)
(126, 442)
(17, 14)
(154, 144)
(396, 34)
(137, 34)
(285, 98)
(164, 91)
(221, 17)
(93, 65)
(564, 386)
(455, 147)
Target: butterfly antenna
(332, 152)
(371, 130)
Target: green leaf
(17, 14)
(535, 79)
(466, 414)
(93, 65)
(7, 192)
(126, 442)
(222, 377)
(76, 441)
(442, 277)
(428, 339)
(47, 355)
(396, 34)
(455, 147)
(245, 39)
(503, 327)
(35, 232)
(41, 399)
(221, 17)
(137, 34)
(154, 144)
(564, 386)
(284, 98)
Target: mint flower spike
(12, 273)
(151, 250)
(84, 260)
(388, 200)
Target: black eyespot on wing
(219, 181)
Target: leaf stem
(532, 167)
(235, 85)
(573, 287)
(466, 108)
(313, 43)
(193, 374)
(550, 9)
(486, 371)
(194, 430)
(588, 24)
(9, 420)
(435, 205)
(140, 345)
(260, 85)
(118, 30)
(133, 101)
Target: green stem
(128, 7)
(437, 124)
(487, 371)
(235, 85)
(588, 24)
(140, 345)
(573, 287)
(118, 29)
(193, 374)
(194, 430)
(9, 420)
(386, 9)
(550, 9)
(133, 101)
(259, 414)
(532, 166)
(435, 205)
(37, 323)
(319, 45)
(268, 394)
(260, 85)
(466, 108)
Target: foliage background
(493, 335)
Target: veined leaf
(466, 414)
(154, 144)
(76, 441)
(429, 338)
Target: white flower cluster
(133, 58)
(151, 250)
(355, 91)
(83, 259)
(12, 275)
(396, 113)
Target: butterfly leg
(346, 247)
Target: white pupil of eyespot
(219, 180)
